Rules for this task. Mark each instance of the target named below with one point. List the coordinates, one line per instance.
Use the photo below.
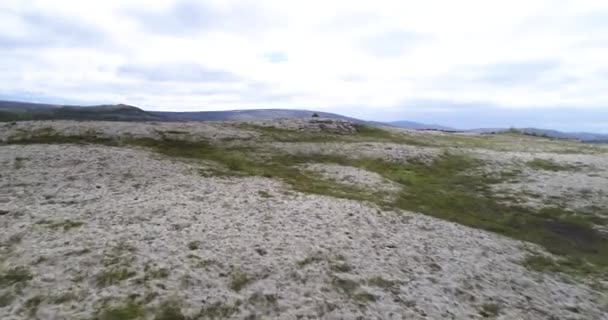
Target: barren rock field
(298, 219)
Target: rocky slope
(105, 229)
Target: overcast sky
(460, 63)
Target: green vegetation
(64, 297)
(352, 290)
(383, 283)
(66, 225)
(6, 298)
(340, 267)
(113, 276)
(169, 311)
(489, 310)
(263, 300)
(345, 286)
(239, 280)
(310, 260)
(264, 194)
(153, 273)
(128, 311)
(548, 165)
(570, 265)
(219, 310)
(193, 245)
(32, 304)
(15, 275)
(18, 164)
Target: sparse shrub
(365, 297)
(381, 283)
(341, 267)
(6, 299)
(161, 273)
(194, 245)
(15, 275)
(169, 311)
(32, 304)
(128, 311)
(66, 225)
(63, 298)
(264, 194)
(315, 258)
(263, 300)
(113, 276)
(548, 165)
(18, 164)
(239, 280)
(219, 310)
(489, 310)
(345, 286)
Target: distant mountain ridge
(21, 111)
(549, 133)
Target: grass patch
(382, 283)
(19, 163)
(345, 286)
(219, 310)
(352, 290)
(113, 276)
(239, 280)
(128, 311)
(32, 304)
(15, 275)
(569, 265)
(169, 311)
(66, 225)
(548, 165)
(264, 194)
(6, 298)
(489, 310)
(63, 298)
(314, 258)
(194, 245)
(161, 273)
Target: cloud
(515, 73)
(392, 43)
(191, 17)
(276, 57)
(180, 72)
(469, 115)
(43, 30)
(471, 62)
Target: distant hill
(580, 136)
(16, 111)
(420, 126)
(244, 115)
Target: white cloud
(376, 55)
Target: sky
(465, 64)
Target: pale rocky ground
(185, 237)
(582, 186)
(352, 176)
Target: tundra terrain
(298, 219)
